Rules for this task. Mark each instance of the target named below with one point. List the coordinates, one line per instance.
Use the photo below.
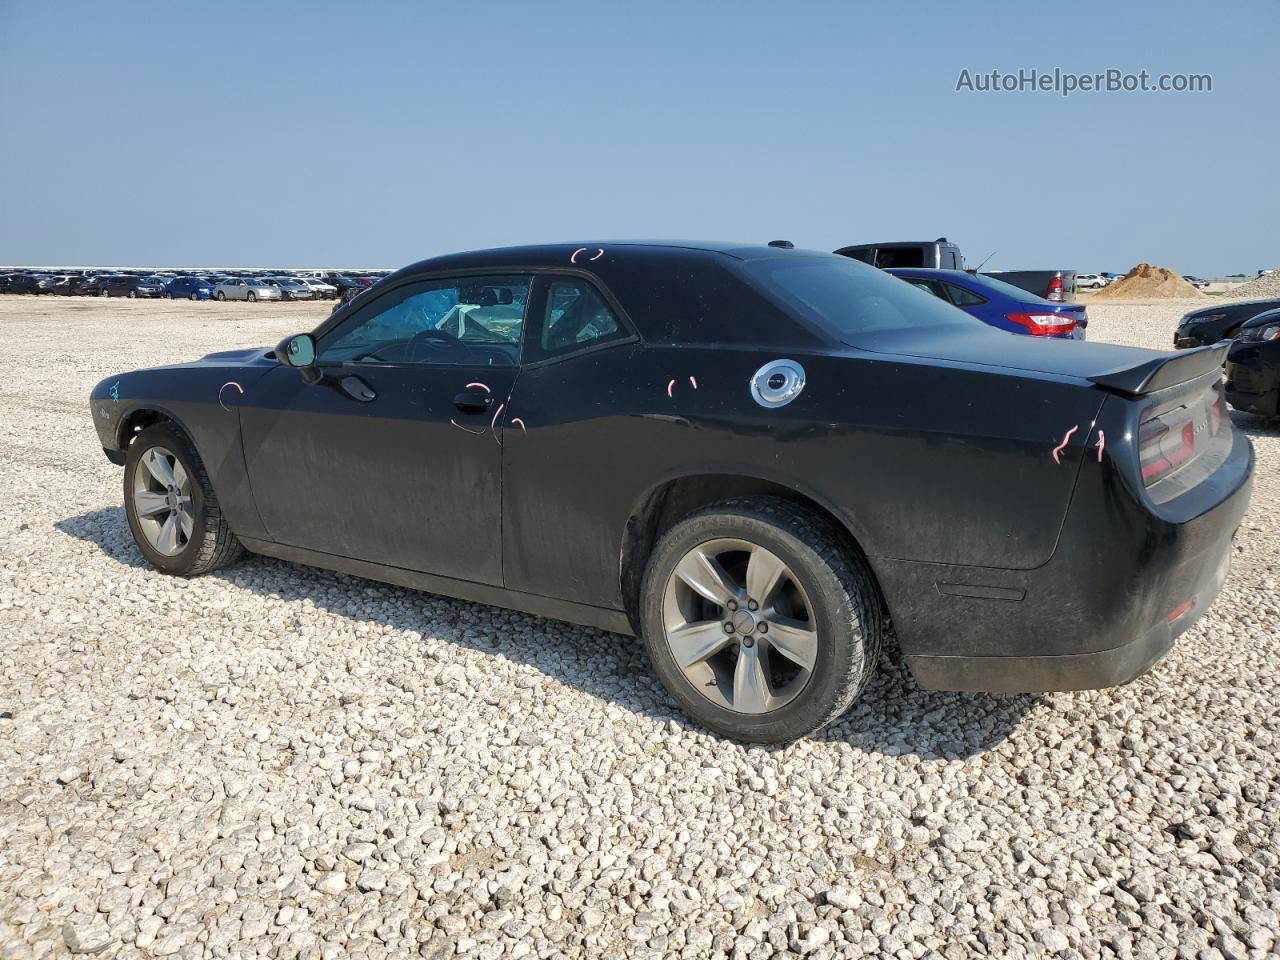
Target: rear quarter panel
(921, 461)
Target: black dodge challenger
(754, 457)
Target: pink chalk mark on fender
(1057, 451)
(229, 383)
(515, 420)
(694, 381)
(671, 387)
(474, 433)
(573, 257)
(1102, 444)
(482, 386)
(599, 254)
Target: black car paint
(1208, 325)
(1253, 369)
(991, 483)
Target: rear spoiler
(1164, 371)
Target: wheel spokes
(704, 575)
(167, 539)
(751, 693)
(148, 503)
(695, 642)
(186, 523)
(796, 641)
(157, 465)
(180, 479)
(764, 572)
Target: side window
(928, 286)
(962, 297)
(469, 321)
(576, 315)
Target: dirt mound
(1147, 282)
(1266, 286)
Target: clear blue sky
(293, 133)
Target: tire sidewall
(841, 644)
(164, 435)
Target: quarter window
(962, 297)
(469, 321)
(576, 316)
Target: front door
(395, 456)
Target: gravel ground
(277, 761)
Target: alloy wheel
(739, 625)
(162, 501)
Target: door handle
(472, 401)
(357, 389)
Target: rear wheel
(222, 296)
(173, 513)
(759, 620)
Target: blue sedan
(192, 288)
(1000, 304)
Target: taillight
(1043, 324)
(1055, 291)
(1165, 443)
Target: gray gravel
(277, 761)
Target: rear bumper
(1123, 583)
(1068, 671)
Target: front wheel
(760, 620)
(252, 296)
(133, 294)
(222, 296)
(173, 514)
(194, 297)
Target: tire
(832, 583)
(252, 297)
(133, 294)
(193, 297)
(105, 292)
(222, 296)
(211, 544)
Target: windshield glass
(848, 298)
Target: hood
(1247, 307)
(985, 347)
(252, 355)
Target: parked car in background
(1196, 282)
(189, 288)
(68, 285)
(127, 285)
(1057, 286)
(751, 457)
(1091, 281)
(1001, 305)
(1208, 325)
(343, 283)
(250, 289)
(935, 254)
(321, 289)
(1253, 366)
(290, 288)
(34, 283)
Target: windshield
(847, 298)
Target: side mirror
(300, 353)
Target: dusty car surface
(753, 457)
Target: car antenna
(983, 263)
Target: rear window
(847, 298)
(1007, 289)
(887, 257)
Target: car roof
(931, 272)
(559, 254)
